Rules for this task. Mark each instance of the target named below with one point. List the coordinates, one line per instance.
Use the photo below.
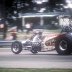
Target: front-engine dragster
(37, 43)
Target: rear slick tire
(63, 46)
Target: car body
(61, 42)
(37, 43)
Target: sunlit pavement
(7, 51)
(27, 60)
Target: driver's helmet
(70, 25)
(38, 32)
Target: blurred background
(22, 16)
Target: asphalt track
(27, 60)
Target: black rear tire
(63, 46)
(16, 47)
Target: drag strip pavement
(27, 60)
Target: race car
(38, 43)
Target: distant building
(46, 18)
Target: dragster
(61, 42)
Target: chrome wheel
(63, 45)
(16, 47)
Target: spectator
(13, 34)
(28, 27)
(3, 27)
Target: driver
(37, 37)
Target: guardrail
(6, 43)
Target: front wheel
(63, 46)
(16, 47)
(34, 50)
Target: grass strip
(33, 70)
